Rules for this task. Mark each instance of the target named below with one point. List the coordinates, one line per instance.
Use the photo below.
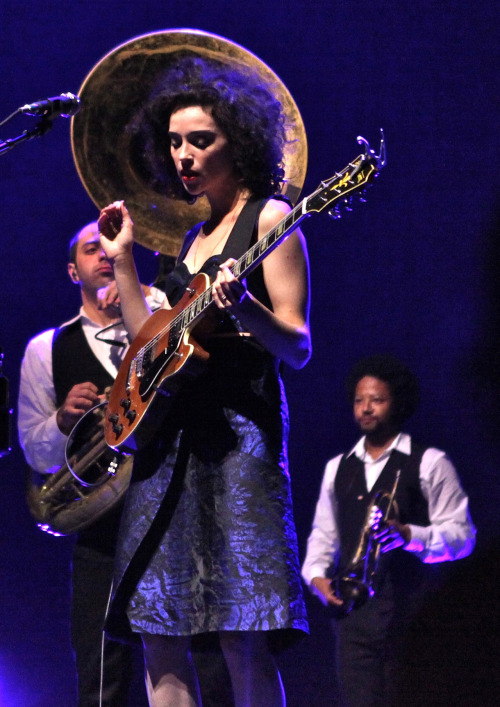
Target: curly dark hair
(402, 382)
(242, 105)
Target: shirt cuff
(155, 298)
(419, 536)
(55, 441)
(311, 572)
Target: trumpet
(355, 585)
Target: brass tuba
(109, 163)
(91, 482)
(355, 585)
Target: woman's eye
(201, 143)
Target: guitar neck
(260, 250)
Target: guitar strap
(240, 238)
(243, 234)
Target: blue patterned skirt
(208, 541)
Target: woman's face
(200, 151)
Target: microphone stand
(42, 127)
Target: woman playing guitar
(208, 542)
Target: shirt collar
(118, 327)
(90, 322)
(402, 443)
(84, 317)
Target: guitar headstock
(353, 179)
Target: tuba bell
(91, 482)
(109, 162)
(355, 585)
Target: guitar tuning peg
(347, 204)
(362, 197)
(334, 213)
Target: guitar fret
(236, 269)
(192, 310)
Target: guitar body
(161, 356)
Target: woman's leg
(254, 675)
(170, 675)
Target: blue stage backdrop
(414, 272)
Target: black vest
(401, 568)
(74, 362)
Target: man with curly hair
(430, 523)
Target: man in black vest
(63, 374)
(429, 523)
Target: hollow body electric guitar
(164, 352)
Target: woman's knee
(245, 647)
(165, 653)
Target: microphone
(64, 105)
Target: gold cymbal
(113, 92)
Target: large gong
(111, 96)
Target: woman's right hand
(116, 230)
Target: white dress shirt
(450, 535)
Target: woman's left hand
(227, 291)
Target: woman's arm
(285, 330)
(117, 239)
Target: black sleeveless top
(242, 237)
